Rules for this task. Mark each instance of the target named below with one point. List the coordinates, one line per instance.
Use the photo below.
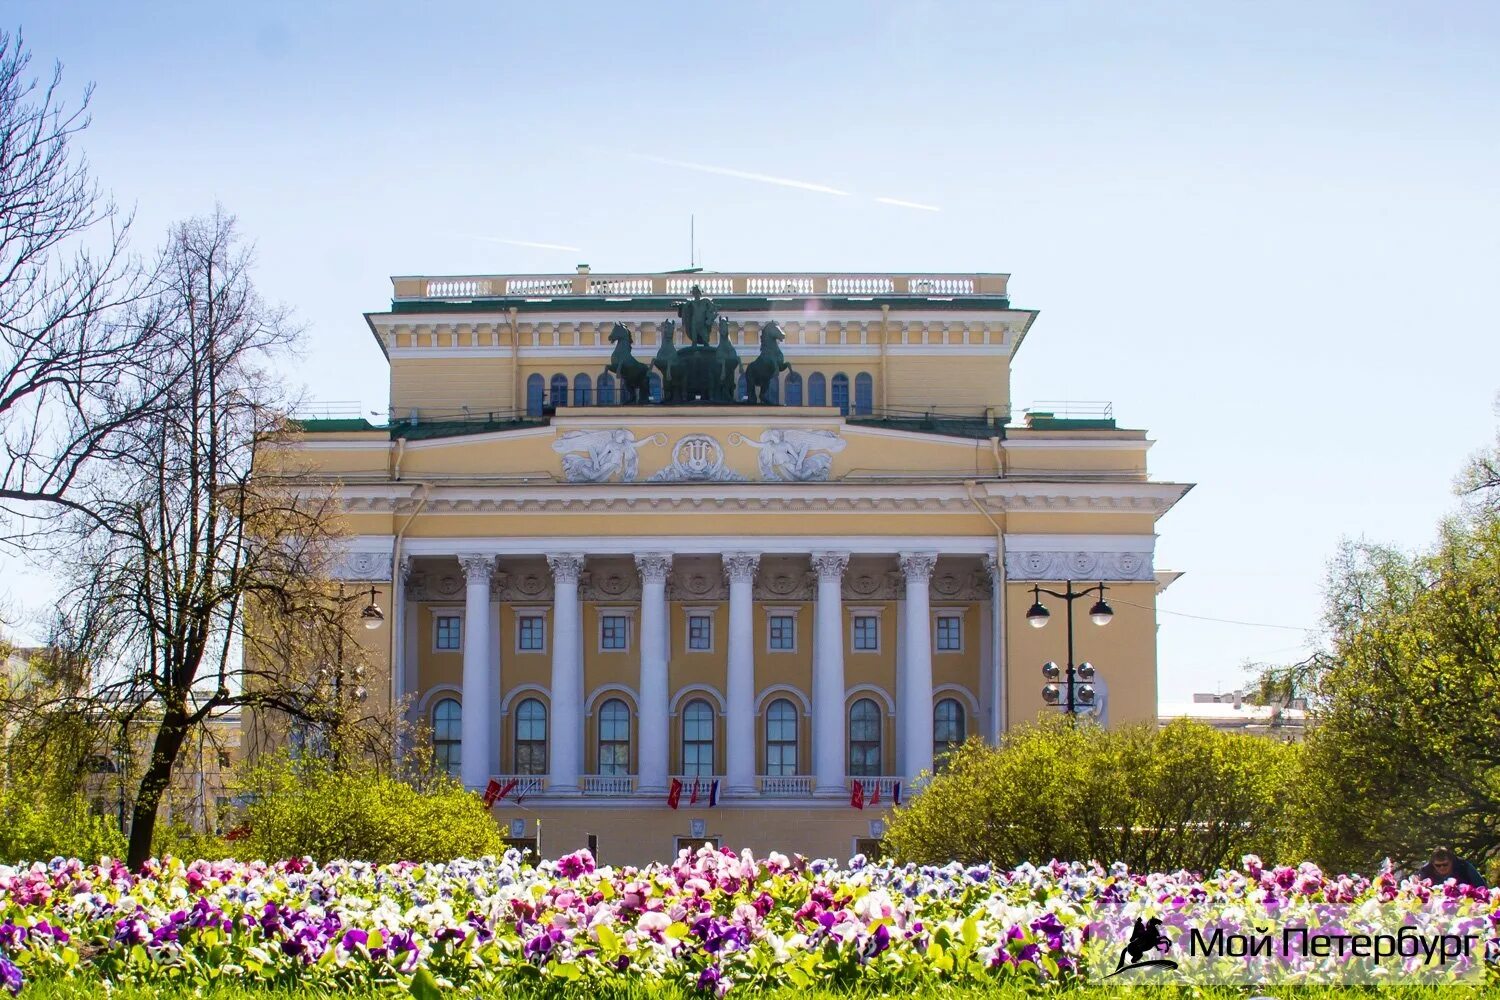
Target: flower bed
(713, 921)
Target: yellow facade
(593, 601)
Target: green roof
(330, 425)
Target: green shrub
(182, 841)
(39, 823)
(306, 807)
(1185, 796)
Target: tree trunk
(170, 736)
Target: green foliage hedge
(306, 807)
(1184, 796)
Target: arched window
(536, 395)
(864, 738)
(583, 390)
(841, 393)
(614, 737)
(947, 726)
(447, 726)
(742, 387)
(793, 388)
(655, 383)
(606, 389)
(531, 737)
(781, 738)
(559, 390)
(698, 739)
(864, 394)
(817, 394)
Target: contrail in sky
(744, 175)
(523, 243)
(908, 204)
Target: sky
(1267, 233)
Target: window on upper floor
(783, 629)
(950, 634)
(559, 390)
(531, 633)
(793, 388)
(531, 737)
(700, 632)
(606, 389)
(614, 737)
(781, 738)
(614, 632)
(698, 739)
(866, 633)
(447, 632)
(864, 738)
(536, 395)
(447, 732)
(817, 390)
(583, 390)
(947, 727)
(864, 394)
(840, 386)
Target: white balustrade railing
(768, 285)
(941, 285)
(608, 784)
(785, 786)
(885, 783)
(677, 284)
(860, 285)
(459, 288)
(705, 785)
(526, 784)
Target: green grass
(88, 989)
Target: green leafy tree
(1185, 796)
(309, 807)
(44, 811)
(1406, 746)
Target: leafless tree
(201, 573)
(68, 350)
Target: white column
(566, 730)
(475, 731)
(914, 697)
(828, 673)
(739, 726)
(652, 726)
(998, 691)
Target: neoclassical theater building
(758, 537)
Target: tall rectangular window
(614, 632)
(783, 632)
(532, 634)
(700, 632)
(866, 633)
(449, 632)
(950, 633)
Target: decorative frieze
(371, 566)
(1077, 565)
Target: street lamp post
(1080, 679)
(372, 618)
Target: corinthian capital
(476, 566)
(917, 567)
(566, 567)
(739, 567)
(654, 567)
(830, 565)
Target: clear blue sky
(1267, 232)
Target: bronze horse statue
(728, 362)
(771, 363)
(666, 362)
(635, 378)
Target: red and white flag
(674, 794)
(857, 796)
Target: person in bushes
(1445, 865)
